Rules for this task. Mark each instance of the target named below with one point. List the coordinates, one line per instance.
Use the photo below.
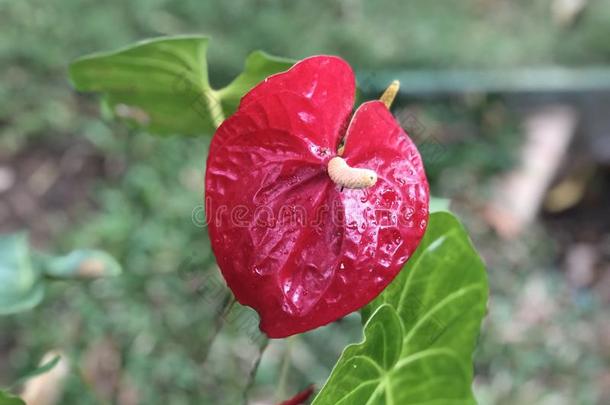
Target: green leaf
(20, 284)
(420, 333)
(8, 399)
(159, 84)
(162, 84)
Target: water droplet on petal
(261, 270)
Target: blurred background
(509, 102)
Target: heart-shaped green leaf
(20, 284)
(8, 399)
(162, 84)
(420, 333)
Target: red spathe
(290, 243)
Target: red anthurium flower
(306, 232)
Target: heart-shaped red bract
(298, 248)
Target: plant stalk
(229, 301)
(253, 371)
(285, 370)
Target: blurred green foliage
(156, 316)
(21, 287)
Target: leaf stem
(215, 106)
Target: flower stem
(285, 369)
(229, 301)
(252, 375)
